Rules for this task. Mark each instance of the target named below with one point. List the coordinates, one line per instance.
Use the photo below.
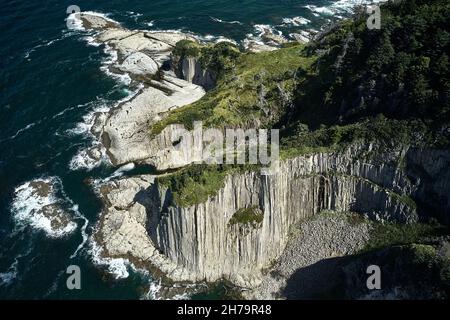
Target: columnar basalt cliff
(199, 242)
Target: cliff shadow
(150, 199)
(324, 279)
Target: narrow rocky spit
(140, 55)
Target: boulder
(139, 63)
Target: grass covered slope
(253, 89)
(194, 184)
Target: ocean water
(51, 81)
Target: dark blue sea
(51, 82)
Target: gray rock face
(192, 71)
(198, 243)
(139, 63)
(126, 132)
(308, 266)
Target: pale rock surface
(197, 243)
(126, 132)
(140, 64)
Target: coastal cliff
(204, 242)
(340, 153)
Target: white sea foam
(29, 204)
(153, 290)
(257, 36)
(347, 6)
(59, 114)
(119, 172)
(8, 277)
(337, 8)
(211, 38)
(182, 296)
(112, 55)
(45, 43)
(84, 127)
(18, 132)
(266, 28)
(111, 60)
(134, 15)
(92, 41)
(84, 234)
(223, 21)
(83, 159)
(296, 21)
(105, 16)
(74, 22)
(118, 267)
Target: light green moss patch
(248, 216)
(195, 183)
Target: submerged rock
(40, 205)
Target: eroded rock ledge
(140, 55)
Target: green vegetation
(247, 216)
(401, 71)
(251, 88)
(194, 184)
(389, 234)
(390, 85)
(405, 199)
(421, 271)
(220, 58)
(186, 48)
(387, 133)
(438, 264)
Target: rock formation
(198, 243)
(124, 129)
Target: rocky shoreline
(140, 55)
(122, 133)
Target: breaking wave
(40, 204)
